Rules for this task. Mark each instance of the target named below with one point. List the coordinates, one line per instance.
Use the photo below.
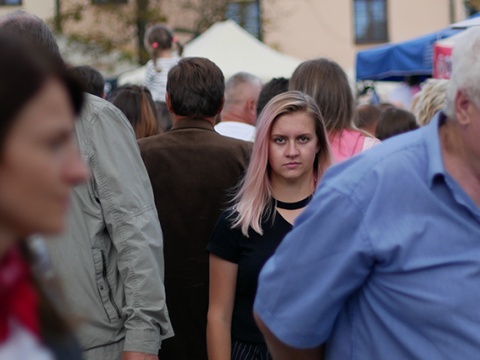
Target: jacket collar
(433, 146)
(188, 123)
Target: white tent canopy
(233, 49)
(467, 23)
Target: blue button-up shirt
(385, 261)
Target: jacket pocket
(103, 286)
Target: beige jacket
(111, 256)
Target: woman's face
(293, 146)
(39, 165)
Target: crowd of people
(194, 218)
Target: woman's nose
(77, 170)
(292, 149)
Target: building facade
(306, 29)
(42, 8)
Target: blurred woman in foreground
(39, 165)
(290, 155)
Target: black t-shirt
(250, 253)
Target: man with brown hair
(191, 168)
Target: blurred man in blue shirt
(385, 261)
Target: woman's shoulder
(226, 220)
(225, 239)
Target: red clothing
(18, 298)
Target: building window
(247, 14)
(10, 2)
(108, 2)
(370, 21)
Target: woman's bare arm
(223, 280)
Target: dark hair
(394, 121)
(137, 104)
(23, 73)
(31, 28)
(195, 87)
(385, 105)
(164, 118)
(367, 116)
(271, 89)
(90, 78)
(327, 83)
(413, 80)
(158, 38)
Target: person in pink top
(327, 83)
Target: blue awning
(391, 62)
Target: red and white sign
(442, 61)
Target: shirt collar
(186, 123)
(433, 147)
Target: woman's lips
(292, 165)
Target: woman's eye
(303, 139)
(279, 140)
(57, 144)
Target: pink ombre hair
(253, 200)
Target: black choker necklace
(293, 206)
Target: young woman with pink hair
(290, 155)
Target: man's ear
(252, 110)
(169, 103)
(251, 105)
(463, 107)
(221, 106)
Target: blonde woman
(431, 99)
(290, 155)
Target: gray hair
(233, 83)
(32, 28)
(465, 69)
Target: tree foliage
(205, 13)
(119, 25)
(472, 6)
(100, 29)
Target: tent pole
(260, 27)
(452, 11)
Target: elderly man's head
(465, 79)
(241, 96)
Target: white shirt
(21, 344)
(236, 130)
(156, 76)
